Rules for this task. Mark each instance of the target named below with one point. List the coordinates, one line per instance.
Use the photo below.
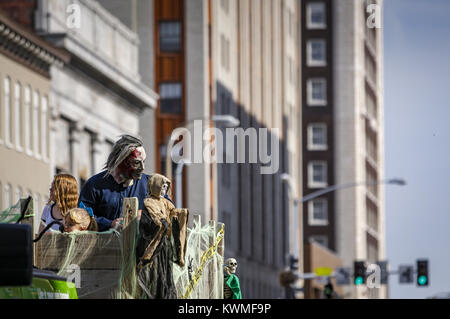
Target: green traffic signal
(359, 281)
(422, 280)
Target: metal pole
(349, 185)
(179, 185)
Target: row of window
(9, 196)
(25, 121)
(317, 132)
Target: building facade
(25, 63)
(98, 94)
(343, 129)
(236, 58)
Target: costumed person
(63, 197)
(232, 288)
(80, 219)
(162, 241)
(123, 177)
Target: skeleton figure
(164, 189)
(232, 288)
(230, 266)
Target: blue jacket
(105, 197)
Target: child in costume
(80, 219)
(63, 197)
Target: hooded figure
(162, 241)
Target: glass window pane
(170, 98)
(27, 115)
(18, 114)
(316, 15)
(170, 36)
(8, 113)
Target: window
(18, 115)
(317, 174)
(27, 118)
(316, 52)
(372, 252)
(317, 92)
(321, 240)
(44, 126)
(170, 98)
(318, 212)
(37, 204)
(225, 5)
(8, 198)
(170, 36)
(372, 217)
(317, 137)
(316, 17)
(8, 113)
(291, 70)
(36, 123)
(225, 52)
(18, 194)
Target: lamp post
(227, 120)
(293, 249)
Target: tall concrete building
(239, 58)
(342, 103)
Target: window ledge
(312, 103)
(312, 185)
(316, 26)
(315, 64)
(317, 147)
(318, 223)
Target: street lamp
(286, 178)
(394, 181)
(226, 120)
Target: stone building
(25, 158)
(236, 58)
(98, 94)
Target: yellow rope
(205, 257)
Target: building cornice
(28, 48)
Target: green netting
(13, 213)
(106, 262)
(202, 277)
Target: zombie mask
(133, 166)
(231, 265)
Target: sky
(417, 140)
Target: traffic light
(293, 263)
(406, 274)
(359, 270)
(328, 290)
(422, 273)
(384, 272)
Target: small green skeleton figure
(232, 288)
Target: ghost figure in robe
(162, 241)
